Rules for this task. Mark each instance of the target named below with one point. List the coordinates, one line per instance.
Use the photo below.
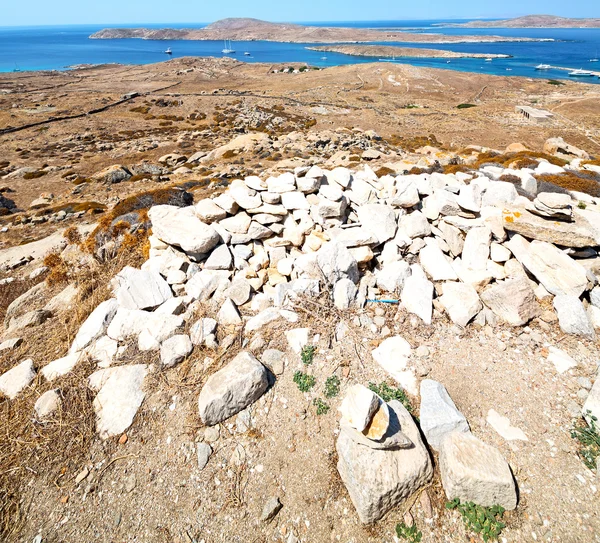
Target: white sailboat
(543, 67)
(228, 49)
(168, 51)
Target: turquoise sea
(59, 47)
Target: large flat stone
(139, 289)
(554, 269)
(181, 227)
(16, 379)
(95, 325)
(474, 471)
(513, 300)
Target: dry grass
(52, 452)
(570, 181)
(522, 159)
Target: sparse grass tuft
(305, 382)
(388, 393)
(72, 235)
(485, 521)
(322, 407)
(308, 354)
(410, 533)
(58, 269)
(589, 441)
(332, 386)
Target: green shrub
(410, 533)
(485, 521)
(465, 106)
(589, 440)
(308, 354)
(305, 382)
(322, 407)
(332, 386)
(387, 393)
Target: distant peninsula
(390, 51)
(243, 29)
(532, 21)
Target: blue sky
(50, 12)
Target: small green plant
(322, 407)
(410, 533)
(332, 386)
(305, 382)
(465, 106)
(387, 393)
(554, 82)
(589, 440)
(485, 521)
(581, 205)
(307, 354)
(410, 106)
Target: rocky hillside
(281, 355)
(535, 21)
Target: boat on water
(543, 67)
(393, 59)
(323, 58)
(489, 59)
(168, 51)
(593, 60)
(228, 48)
(581, 73)
(246, 54)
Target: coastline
(390, 51)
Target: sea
(62, 47)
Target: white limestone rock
(95, 325)
(175, 349)
(344, 294)
(47, 404)
(474, 471)
(16, 379)
(461, 301)
(181, 227)
(120, 395)
(513, 300)
(438, 416)
(572, 316)
(61, 366)
(435, 263)
(393, 355)
(380, 480)
(379, 220)
(229, 315)
(139, 289)
(417, 294)
(358, 406)
(233, 388)
(209, 212)
(336, 262)
(219, 259)
(392, 277)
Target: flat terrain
(389, 51)
(534, 21)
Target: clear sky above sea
(130, 12)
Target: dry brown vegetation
(571, 181)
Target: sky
(123, 12)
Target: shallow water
(58, 47)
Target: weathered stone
(358, 407)
(233, 388)
(392, 277)
(95, 325)
(220, 259)
(503, 426)
(499, 193)
(120, 394)
(578, 233)
(270, 509)
(379, 220)
(461, 301)
(435, 263)
(181, 227)
(474, 471)
(380, 480)
(10, 344)
(201, 329)
(174, 350)
(417, 294)
(238, 224)
(561, 360)
(438, 416)
(103, 350)
(336, 262)
(156, 327)
(30, 319)
(344, 293)
(228, 314)
(392, 355)
(203, 452)
(139, 289)
(16, 379)
(47, 404)
(554, 269)
(572, 316)
(415, 225)
(243, 196)
(476, 249)
(513, 300)
(274, 360)
(209, 212)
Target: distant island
(531, 21)
(391, 51)
(244, 29)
